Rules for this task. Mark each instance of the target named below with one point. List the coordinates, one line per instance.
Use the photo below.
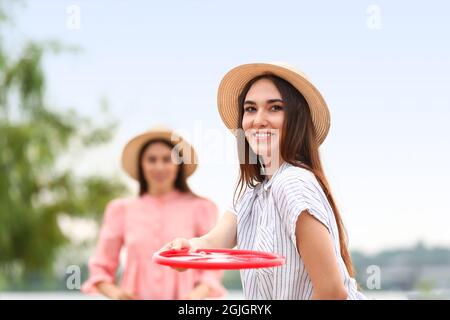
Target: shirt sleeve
(206, 219)
(103, 264)
(297, 192)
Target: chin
(262, 150)
(160, 183)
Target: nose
(159, 165)
(260, 119)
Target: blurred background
(78, 79)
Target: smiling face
(263, 118)
(158, 169)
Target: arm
(208, 281)
(104, 263)
(315, 246)
(223, 235)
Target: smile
(259, 135)
(262, 136)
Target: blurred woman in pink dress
(160, 161)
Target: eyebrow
(268, 101)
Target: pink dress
(142, 226)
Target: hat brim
(235, 80)
(131, 151)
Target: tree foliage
(34, 188)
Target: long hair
(181, 179)
(298, 147)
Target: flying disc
(218, 259)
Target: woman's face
(159, 170)
(263, 118)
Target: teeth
(262, 135)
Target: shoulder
(202, 204)
(294, 177)
(247, 193)
(115, 210)
(297, 189)
(297, 172)
(119, 204)
(203, 201)
(244, 197)
(132, 204)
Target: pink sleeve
(103, 264)
(206, 219)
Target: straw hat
(235, 80)
(131, 151)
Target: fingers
(125, 296)
(166, 247)
(180, 243)
(131, 296)
(177, 244)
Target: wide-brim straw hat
(130, 153)
(235, 80)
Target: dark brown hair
(298, 147)
(181, 180)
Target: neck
(270, 166)
(159, 191)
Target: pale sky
(383, 68)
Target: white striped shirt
(266, 220)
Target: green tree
(35, 189)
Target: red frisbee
(218, 259)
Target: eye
(151, 159)
(276, 108)
(249, 109)
(167, 159)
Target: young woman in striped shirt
(283, 202)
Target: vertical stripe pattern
(266, 220)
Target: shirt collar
(266, 184)
(162, 198)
